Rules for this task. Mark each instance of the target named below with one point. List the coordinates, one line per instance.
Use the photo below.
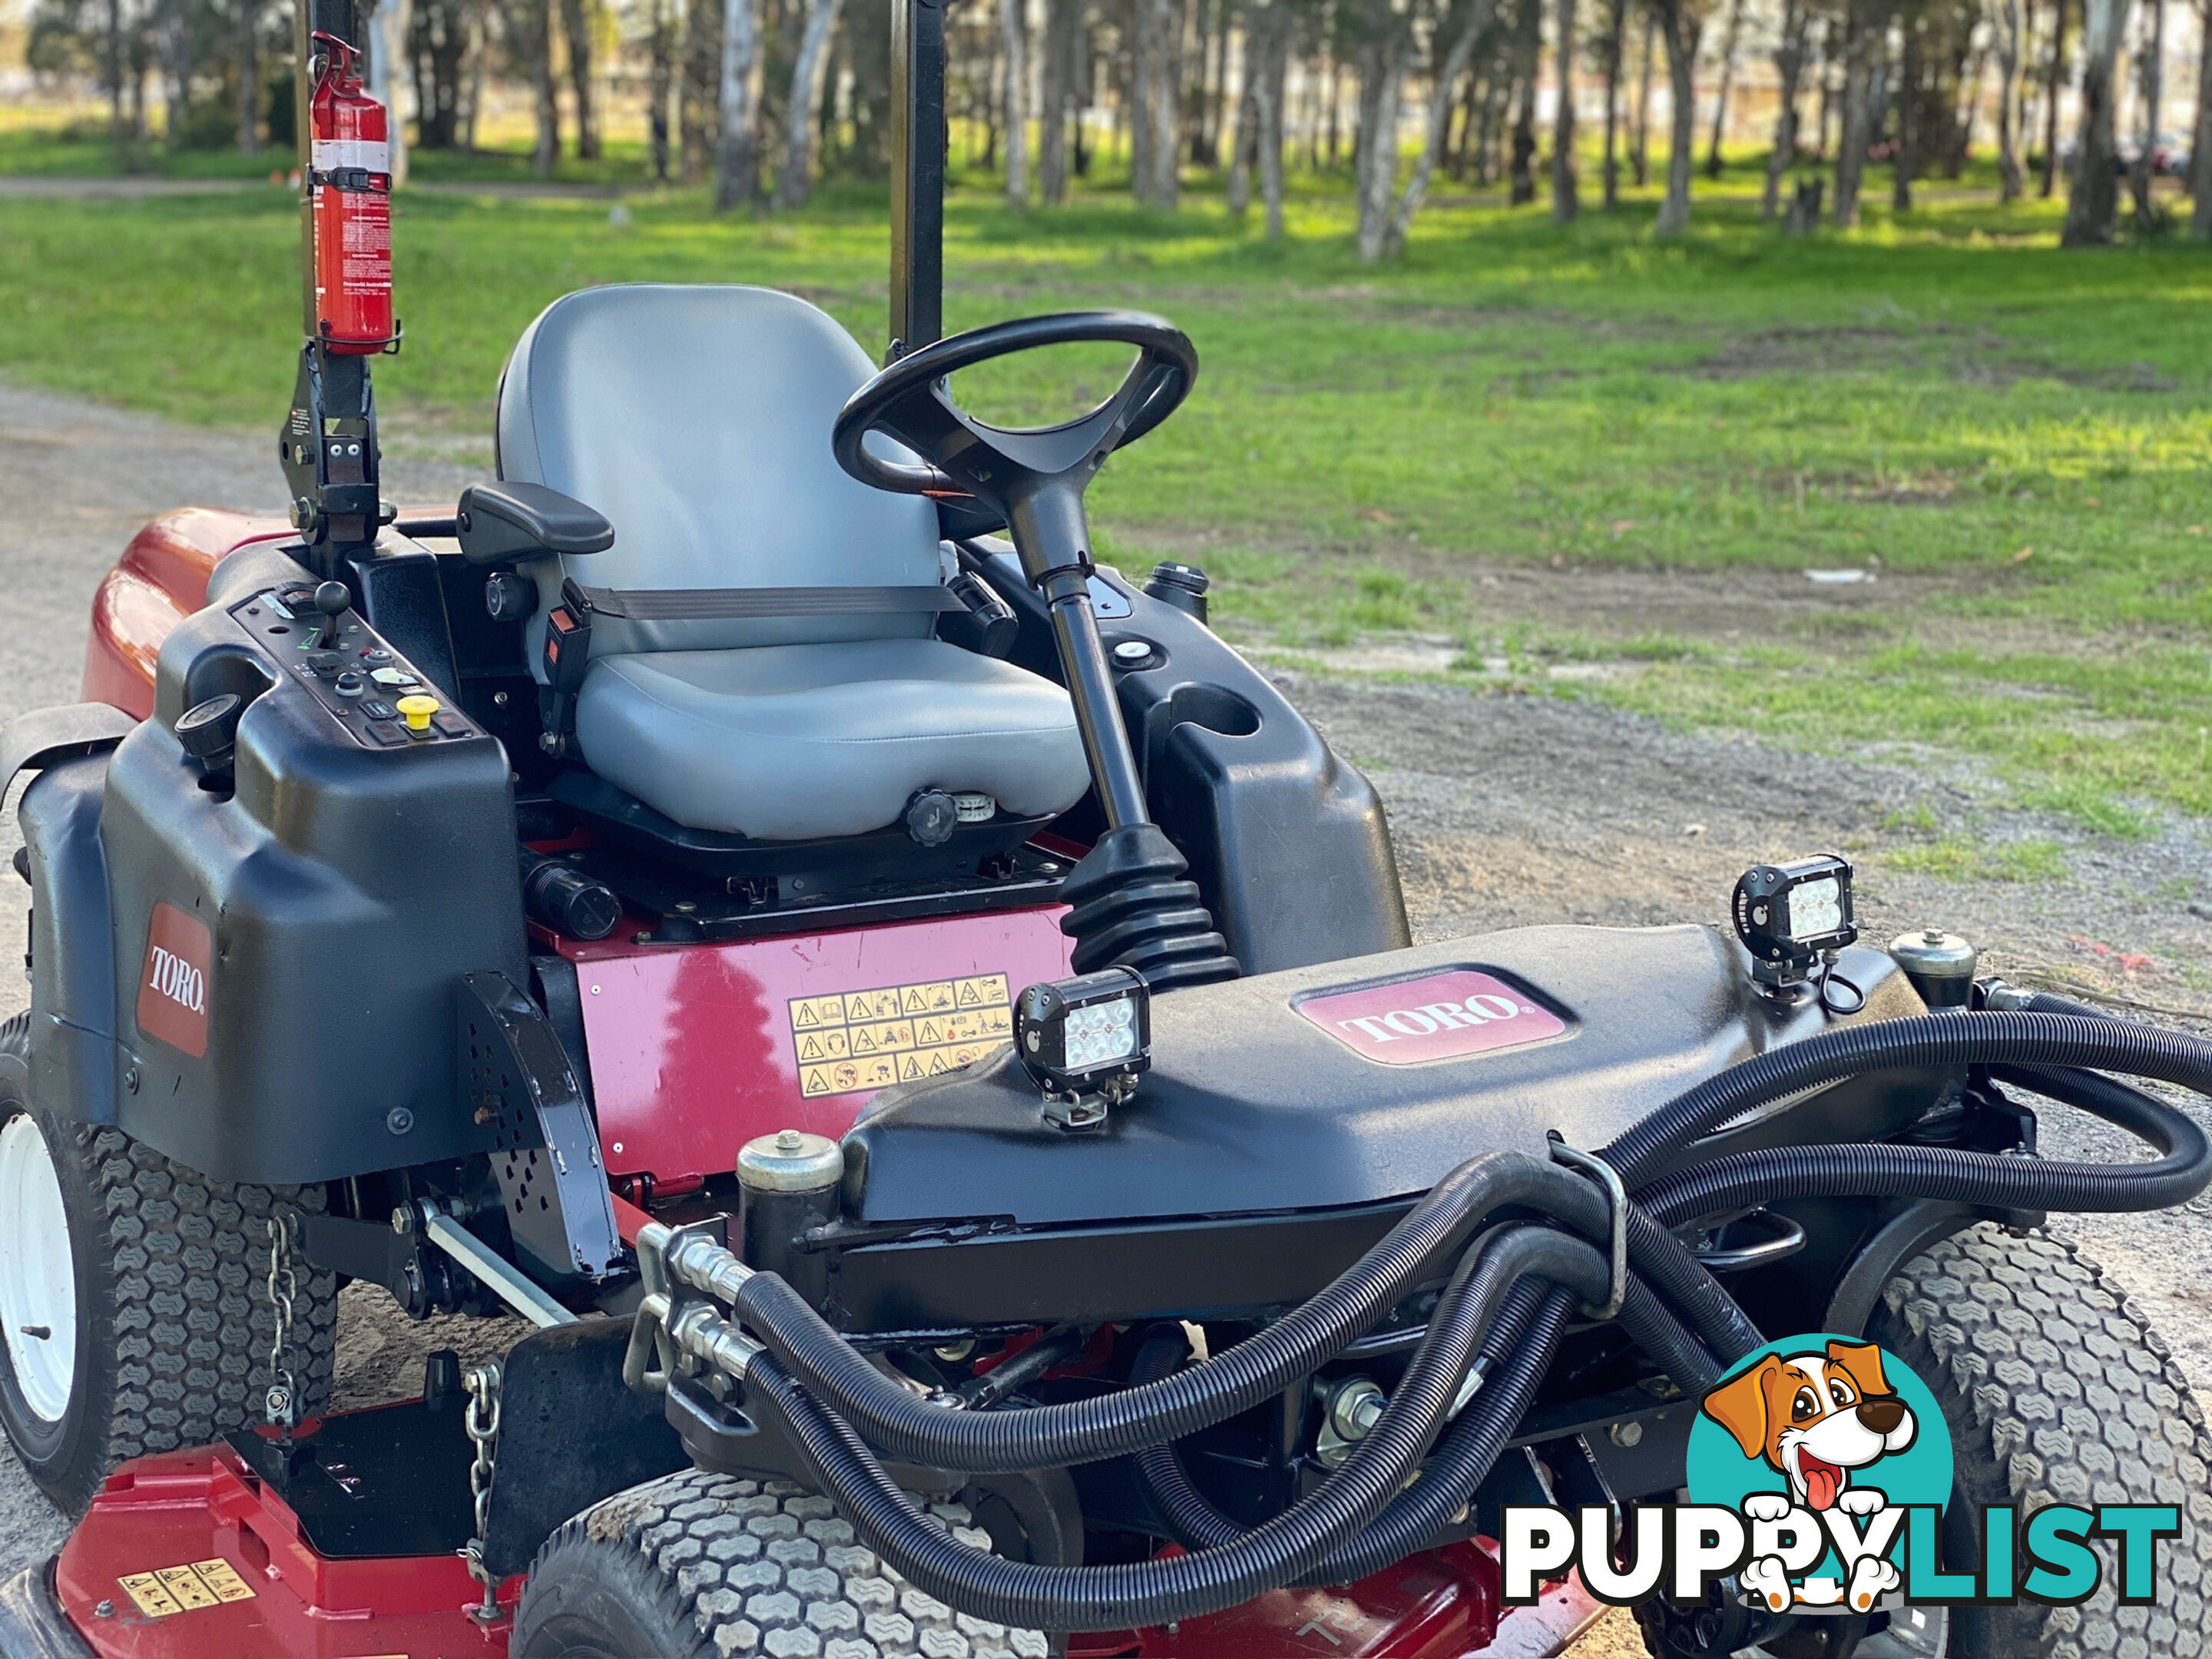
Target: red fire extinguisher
(350, 155)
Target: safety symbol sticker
(186, 1588)
(859, 1040)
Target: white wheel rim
(38, 1281)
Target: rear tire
(165, 1273)
(697, 1565)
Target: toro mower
(930, 1040)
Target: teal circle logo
(1812, 1433)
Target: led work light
(1789, 915)
(1085, 1040)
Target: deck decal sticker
(870, 1039)
(186, 1588)
(1437, 1017)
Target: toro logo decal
(173, 985)
(1435, 1017)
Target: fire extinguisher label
(332, 155)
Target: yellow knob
(416, 711)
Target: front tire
(2057, 1390)
(697, 1565)
(148, 1280)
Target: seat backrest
(697, 420)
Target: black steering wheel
(962, 456)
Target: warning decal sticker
(186, 1588)
(858, 1040)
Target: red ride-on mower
(930, 1040)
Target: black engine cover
(1261, 1151)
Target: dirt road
(1507, 811)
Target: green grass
(1943, 394)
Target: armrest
(498, 522)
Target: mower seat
(697, 421)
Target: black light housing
(1089, 1035)
(1788, 915)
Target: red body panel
(161, 580)
(205, 1507)
(695, 1048)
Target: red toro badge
(173, 985)
(1435, 1017)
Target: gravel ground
(1506, 811)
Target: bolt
(402, 1220)
(399, 1120)
(595, 990)
(617, 1147)
(103, 1609)
(1934, 936)
(789, 1140)
(1626, 1434)
(130, 1080)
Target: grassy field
(2013, 438)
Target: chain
(282, 1400)
(482, 1423)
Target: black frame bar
(918, 139)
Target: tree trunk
(1566, 199)
(796, 182)
(1383, 50)
(532, 20)
(116, 57)
(2200, 150)
(1520, 171)
(176, 47)
(1908, 121)
(1244, 124)
(1788, 70)
(1639, 151)
(1154, 173)
(1273, 82)
(1679, 25)
(737, 153)
(478, 54)
(1443, 90)
(1729, 38)
(2153, 96)
(387, 27)
(660, 83)
(1014, 25)
(577, 17)
(1616, 31)
(2093, 191)
(249, 82)
(1852, 138)
(2011, 42)
(1062, 20)
(2054, 83)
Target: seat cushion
(796, 741)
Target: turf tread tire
(2057, 1390)
(174, 1320)
(699, 1565)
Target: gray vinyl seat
(697, 421)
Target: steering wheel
(962, 456)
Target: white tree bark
(796, 182)
(1014, 25)
(2093, 193)
(1478, 17)
(736, 164)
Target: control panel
(314, 636)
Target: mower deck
(193, 1554)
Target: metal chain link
(282, 1400)
(481, 1422)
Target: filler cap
(1941, 966)
(791, 1161)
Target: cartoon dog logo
(1818, 1419)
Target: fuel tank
(1288, 1118)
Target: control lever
(332, 599)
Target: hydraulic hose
(1108, 1425)
(1277, 1551)
(1984, 1036)
(1945, 1173)
(1447, 1483)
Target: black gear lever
(1130, 905)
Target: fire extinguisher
(350, 161)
